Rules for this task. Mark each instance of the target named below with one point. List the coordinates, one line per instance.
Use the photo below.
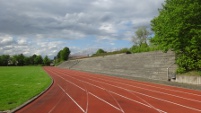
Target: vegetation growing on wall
(101, 52)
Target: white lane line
(136, 101)
(168, 101)
(72, 83)
(154, 91)
(111, 79)
(56, 104)
(87, 107)
(189, 99)
(72, 99)
(89, 93)
(160, 111)
(116, 93)
(104, 101)
(76, 86)
(146, 95)
(149, 105)
(115, 101)
(152, 97)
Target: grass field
(19, 84)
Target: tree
(20, 60)
(141, 36)
(65, 53)
(178, 27)
(32, 59)
(62, 55)
(5, 59)
(46, 61)
(38, 60)
(100, 51)
(59, 56)
(27, 61)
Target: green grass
(19, 84)
(192, 73)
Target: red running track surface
(82, 92)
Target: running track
(81, 92)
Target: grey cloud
(41, 17)
(74, 19)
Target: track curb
(31, 100)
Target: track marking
(118, 94)
(113, 80)
(55, 105)
(88, 93)
(136, 101)
(72, 99)
(87, 106)
(116, 101)
(153, 91)
(72, 83)
(160, 111)
(76, 86)
(104, 101)
(153, 97)
(116, 78)
(146, 95)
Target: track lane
(195, 104)
(163, 89)
(101, 91)
(98, 92)
(136, 102)
(81, 92)
(190, 106)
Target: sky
(43, 27)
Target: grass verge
(19, 84)
(192, 73)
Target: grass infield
(19, 84)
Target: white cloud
(4, 40)
(107, 28)
(47, 23)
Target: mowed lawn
(19, 84)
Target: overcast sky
(46, 26)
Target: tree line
(22, 60)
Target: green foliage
(178, 27)
(141, 36)
(21, 60)
(38, 60)
(18, 60)
(4, 60)
(62, 55)
(143, 48)
(101, 52)
(46, 61)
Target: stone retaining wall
(188, 79)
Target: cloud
(22, 21)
